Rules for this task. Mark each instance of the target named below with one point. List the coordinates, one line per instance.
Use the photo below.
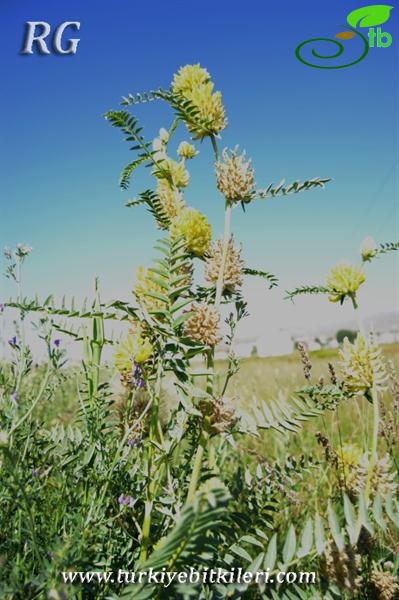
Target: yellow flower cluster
(173, 172)
(145, 285)
(171, 200)
(353, 468)
(133, 349)
(186, 150)
(194, 228)
(344, 280)
(362, 366)
(188, 78)
(193, 83)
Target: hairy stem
(374, 443)
(36, 400)
(151, 481)
(226, 239)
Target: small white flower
(163, 135)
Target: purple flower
(35, 472)
(14, 397)
(132, 442)
(136, 377)
(6, 252)
(126, 500)
(57, 343)
(13, 341)
(2, 307)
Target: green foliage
(388, 247)
(272, 279)
(280, 189)
(307, 289)
(154, 206)
(170, 470)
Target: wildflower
(350, 473)
(385, 584)
(6, 253)
(174, 172)
(233, 268)
(35, 472)
(13, 341)
(133, 349)
(329, 452)
(202, 326)
(57, 343)
(209, 117)
(333, 375)
(135, 442)
(186, 150)
(137, 377)
(158, 150)
(353, 468)
(146, 285)
(362, 366)
(22, 250)
(126, 500)
(235, 177)
(163, 135)
(343, 567)
(14, 397)
(2, 307)
(368, 249)
(195, 229)
(223, 416)
(307, 365)
(171, 200)
(344, 280)
(189, 78)
(382, 477)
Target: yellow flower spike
(144, 285)
(362, 366)
(188, 78)
(171, 200)
(210, 118)
(194, 84)
(133, 349)
(173, 172)
(194, 227)
(344, 280)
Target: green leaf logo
(369, 16)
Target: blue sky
(61, 160)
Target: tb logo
(36, 35)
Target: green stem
(226, 240)
(196, 472)
(34, 403)
(374, 443)
(151, 481)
